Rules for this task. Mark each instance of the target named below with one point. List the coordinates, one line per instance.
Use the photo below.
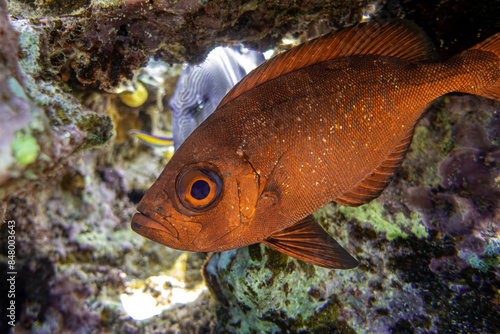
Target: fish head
(200, 205)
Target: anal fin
(306, 240)
(374, 183)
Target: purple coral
(466, 205)
(465, 170)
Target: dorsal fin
(306, 240)
(397, 38)
(372, 186)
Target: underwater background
(77, 76)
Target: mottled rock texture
(41, 123)
(76, 253)
(114, 37)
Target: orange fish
(329, 120)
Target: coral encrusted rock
(111, 38)
(40, 122)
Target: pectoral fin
(306, 240)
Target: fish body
(201, 87)
(330, 120)
(151, 140)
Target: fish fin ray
(395, 38)
(372, 186)
(306, 240)
(491, 44)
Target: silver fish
(201, 87)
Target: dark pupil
(200, 189)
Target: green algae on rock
(393, 226)
(25, 148)
(260, 285)
(54, 123)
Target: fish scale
(330, 120)
(314, 125)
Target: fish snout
(165, 230)
(145, 224)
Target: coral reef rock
(115, 37)
(41, 123)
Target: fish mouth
(180, 234)
(152, 229)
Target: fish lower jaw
(148, 227)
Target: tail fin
(492, 44)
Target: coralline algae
(48, 124)
(114, 37)
(75, 252)
(267, 291)
(76, 255)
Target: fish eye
(198, 188)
